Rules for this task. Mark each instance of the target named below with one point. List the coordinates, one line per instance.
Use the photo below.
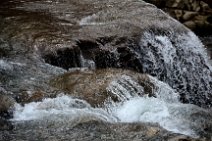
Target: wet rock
(42, 39)
(208, 44)
(108, 85)
(93, 34)
(188, 16)
(6, 105)
(30, 96)
(5, 125)
(6, 110)
(96, 130)
(190, 24)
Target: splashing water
(180, 61)
(154, 110)
(166, 110)
(65, 107)
(67, 110)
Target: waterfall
(180, 61)
(166, 110)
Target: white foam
(87, 63)
(59, 109)
(154, 110)
(4, 65)
(179, 60)
(125, 87)
(9, 65)
(164, 91)
(69, 111)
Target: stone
(5, 125)
(204, 6)
(101, 86)
(178, 14)
(189, 15)
(6, 106)
(190, 24)
(45, 45)
(30, 96)
(46, 40)
(200, 7)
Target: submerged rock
(65, 112)
(6, 110)
(6, 106)
(5, 125)
(97, 130)
(111, 85)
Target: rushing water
(74, 111)
(165, 110)
(71, 41)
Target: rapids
(165, 110)
(100, 70)
(66, 110)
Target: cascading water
(58, 60)
(180, 61)
(166, 110)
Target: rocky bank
(195, 14)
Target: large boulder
(111, 85)
(130, 34)
(40, 40)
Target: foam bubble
(62, 107)
(154, 110)
(65, 110)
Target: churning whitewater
(165, 110)
(100, 70)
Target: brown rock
(178, 14)
(175, 4)
(195, 6)
(189, 15)
(190, 24)
(204, 6)
(31, 96)
(6, 105)
(199, 7)
(99, 86)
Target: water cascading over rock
(137, 58)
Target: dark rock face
(6, 106)
(195, 14)
(208, 44)
(6, 110)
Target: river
(101, 70)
